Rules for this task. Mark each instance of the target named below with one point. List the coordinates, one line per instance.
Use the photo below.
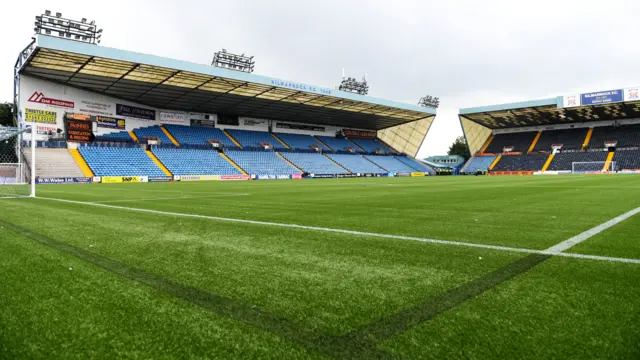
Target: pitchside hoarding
(602, 97)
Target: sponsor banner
(160, 179)
(302, 87)
(176, 177)
(546, 173)
(97, 179)
(416, 174)
(64, 180)
(602, 97)
(96, 108)
(254, 122)
(135, 112)
(40, 98)
(144, 179)
(120, 179)
(632, 94)
(79, 130)
(45, 130)
(359, 134)
(110, 123)
(170, 117)
(322, 176)
(341, 176)
(403, 174)
(299, 127)
(40, 116)
(199, 177)
(296, 176)
(271, 177)
(234, 177)
(571, 101)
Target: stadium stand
(571, 139)
(390, 163)
(301, 142)
(627, 159)
(520, 142)
(119, 161)
(478, 162)
(314, 163)
(261, 163)
(194, 162)
(356, 163)
(563, 160)
(55, 163)
(370, 145)
(153, 132)
(337, 144)
(192, 135)
(625, 135)
(418, 165)
(121, 136)
(530, 162)
(254, 139)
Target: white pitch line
(352, 232)
(569, 243)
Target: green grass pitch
(80, 281)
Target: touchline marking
(569, 243)
(351, 232)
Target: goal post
(592, 167)
(17, 162)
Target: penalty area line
(348, 232)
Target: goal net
(15, 163)
(592, 166)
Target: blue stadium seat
(262, 163)
(337, 144)
(418, 165)
(194, 162)
(314, 163)
(530, 162)
(571, 139)
(254, 139)
(390, 163)
(120, 136)
(564, 160)
(627, 159)
(356, 163)
(119, 161)
(154, 132)
(520, 141)
(370, 145)
(479, 162)
(625, 135)
(299, 141)
(193, 135)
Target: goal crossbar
(17, 163)
(581, 167)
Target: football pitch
(414, 268)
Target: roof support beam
(135, 66)
(158, 84)
(81, 67)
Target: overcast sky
(469, 53)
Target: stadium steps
(335, 162)
(495, 162)
(535, 141)
(323, 143)
(169, 135)
(289, 162)
(356, 145)
(548, 162)
(233, 162)
(159, 163)
(82, 164)
(587, 138)
(235, 142)
(486, 144)
(376, 164)
(55, 163)
(283, 143)
(134, 137)
(608, 161)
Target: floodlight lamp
(48, 32)
(84, 20)
(93, 22)
(58, 15)
(98, 41)
(47, 12)
(99, 31)
(61, 33)
(77, 37)
(35, 29)
(39, 18)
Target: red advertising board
(235, 177)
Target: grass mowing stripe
(385, 328)
(569, 243)
(221, 305)
(353, 232)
